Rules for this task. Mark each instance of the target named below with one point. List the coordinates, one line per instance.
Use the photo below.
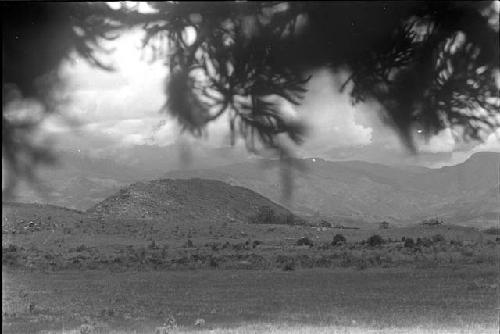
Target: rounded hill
(184, 201)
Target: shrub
(338, 239)
(256, 243)
(409, 243)
(213, 262)
(80, 248)
(425, 242)
(305, 241)
(437, 238)
(375, 240)
(265, 215)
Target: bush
(425, 242)
(256, 243)
(80, 248)
(338, 239)
(456, 243)
(305, 241)
(265, 215)
(375, 240)
(437, 238)
(213, 262)
(409, 243)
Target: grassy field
(66, 274)
(303, 301)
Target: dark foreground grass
(374, 298)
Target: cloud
(441, 142)
(330, 116)
(122, 108)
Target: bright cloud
(122, 108)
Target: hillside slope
(184, 201)
(20, 217)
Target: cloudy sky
(116, 110)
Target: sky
(108, 111)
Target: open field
(443, 298)
(250, 247)
(62, 272)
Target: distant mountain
(345, 191)
(191, 201)
(355, 190)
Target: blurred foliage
(427, 65)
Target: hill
(24, 217)
(80, 180)
(184, 202)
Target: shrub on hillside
(213, 262)
(266, 215)
(338, 239)
(305, 241)
(81, 248)
(424, 242)
(409, 243)
(456, 243)
(287, 263)
(256, 243)
(375, 240)
(437, 238)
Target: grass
(316, 301)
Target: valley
(171, 246)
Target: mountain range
(465, 194)
(343, 191)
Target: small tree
(438, 238)
(409, 243)
(375, 240)
(338, 239)
(305, 241)
(265, 215)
